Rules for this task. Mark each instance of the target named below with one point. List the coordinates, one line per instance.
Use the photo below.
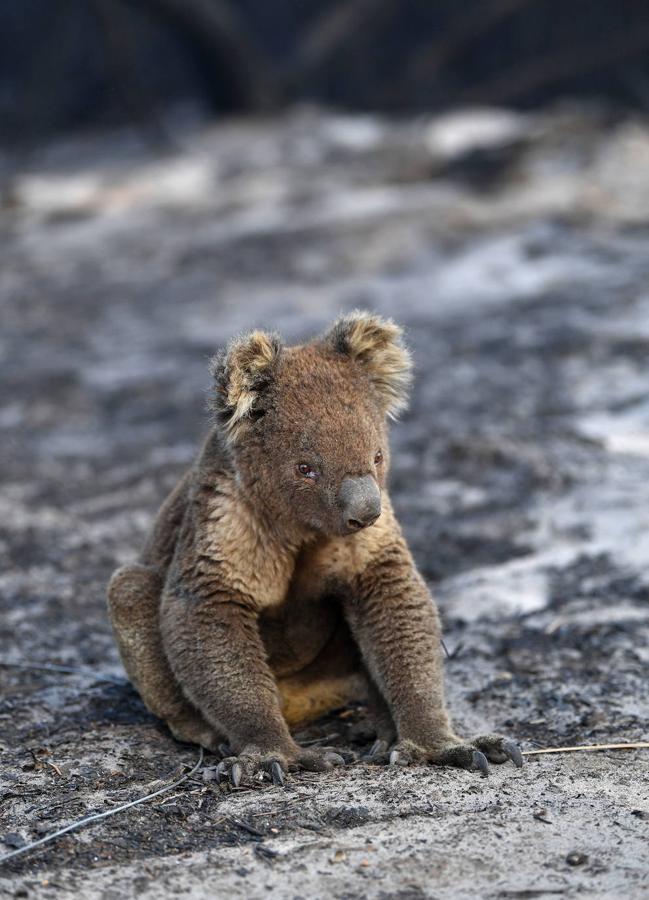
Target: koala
(276, 584)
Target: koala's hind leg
(133, 602)
(333, 679)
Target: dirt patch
(520, 472)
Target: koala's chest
(297, 629)
(327, 568)
(297, 587)
(242, 556)
(248, 559)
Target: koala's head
(306, 425)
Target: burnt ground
(517, 256)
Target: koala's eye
(378, 458)
(307, 471)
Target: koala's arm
(396, 624)
(215, 651)
(212, 642)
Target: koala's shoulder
(237, 548)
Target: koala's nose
(360, 501)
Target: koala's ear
(377, 344)
(241, 375)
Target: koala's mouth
(353, 526)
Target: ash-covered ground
(516, 251)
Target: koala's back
(161, 543)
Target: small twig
(638, 745)
(245, 826)
(180, 794)
(71, 670)
(104, 815)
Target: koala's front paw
(254, 765)
(248, 766)
(475, 754)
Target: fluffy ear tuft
(377, 344)
(241, 374)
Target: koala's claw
(480, 762)
(513, 751)
(230, 770)
(498, 749)
(221, 772)
(236, 773)
(378, 750)
(233, 769)
(252, 765)
(396, 758)
(334, 758)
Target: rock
(14, 840)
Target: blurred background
(175, 171)
(84, 63)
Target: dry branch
(582, 748)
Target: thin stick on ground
(637, 745)
(104, 815)
(69, 670)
